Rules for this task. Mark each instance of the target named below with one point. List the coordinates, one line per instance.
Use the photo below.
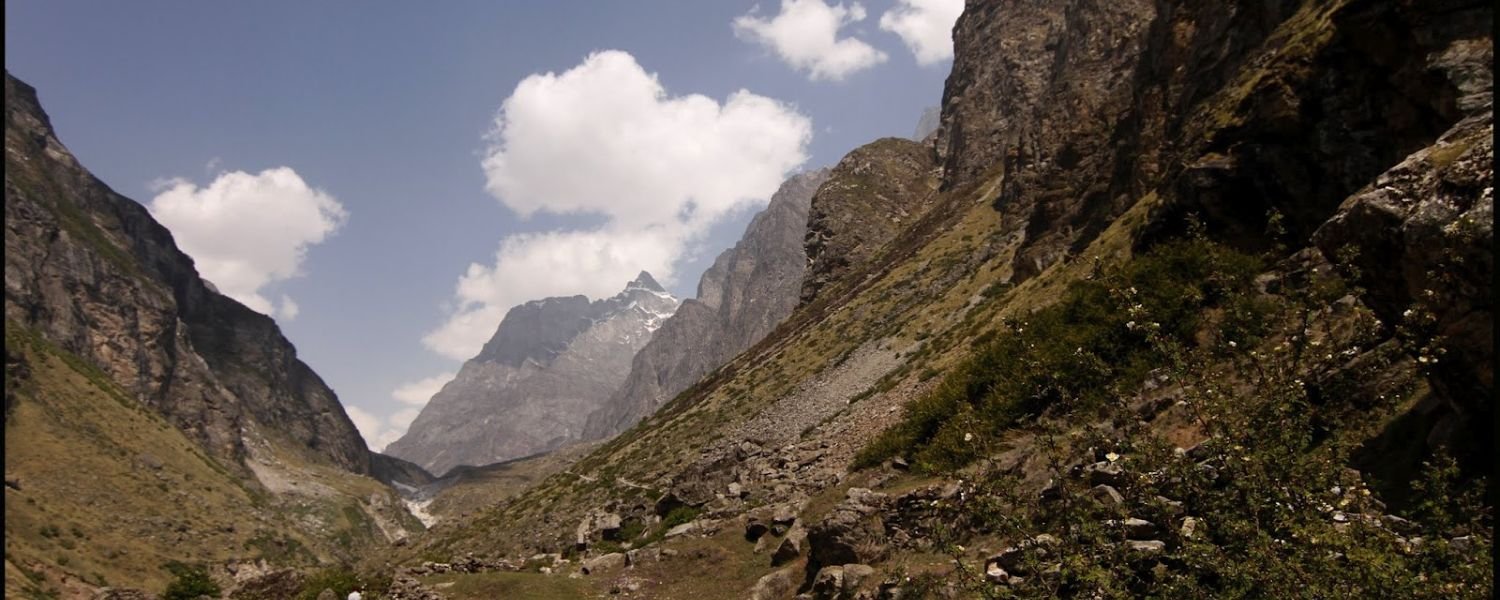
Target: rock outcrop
(873, 194)
(1420, 238)
(747, 292)
(531, 389)
(93, 273)
(1077, 110)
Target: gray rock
(783, 519)
(773, 586)
(1189, 527)
(994, 573)
(531, 389)
(856, 212)
(745, 294)
(1013, 558)
(608, 526)
(1136, 529)
(791, 547)
(828, 584)
(1147, 546)
(607, 562)
(1107, 494)
(757, 524)
(855, 576)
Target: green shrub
(1080, 353)
(191, 582)
(342, 580)
(1278, 514)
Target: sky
(386, 179)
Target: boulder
(1106, 494)
(783, 519)
(1147, 546)
(994, 573)
(642, 555)
(855, 575)
(1189, 527)
(608, 525)
(757, 524)
(853, 532)
(683, 529)
(829, 583)
(792, 546)
(773, 586)
(611, 561)
(1013, 558)
(1135, 529)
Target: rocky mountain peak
(550, 364)
(645, 281)
(750, 289)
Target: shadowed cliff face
(1228, 110)
(747, 292)
(550, 364)
(95, 274)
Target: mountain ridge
(550, 364)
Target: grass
(74, 437)
(1080, 353)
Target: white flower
(1232, 344)
(1111, 457)
(968, 437)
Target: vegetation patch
(1083, 352)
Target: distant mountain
(747, 292)
(928, 124)
(550, 364)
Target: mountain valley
(1172, 299)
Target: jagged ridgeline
(531, 389)
(1181, 299)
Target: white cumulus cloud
(380, 432)
(247, 231)
(376, 431)
(418, 392)
(926, 26)
(606, 139)
(805, 35)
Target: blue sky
(385, 116)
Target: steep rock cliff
(747, 292)
(871, 195)
(93, 273)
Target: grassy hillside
(107, 493)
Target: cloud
(246, 231)
(287, 309)
(402, 419)
(377, 432)
(417, 393)
(926, 26)
(805, 35)
(606, 139)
